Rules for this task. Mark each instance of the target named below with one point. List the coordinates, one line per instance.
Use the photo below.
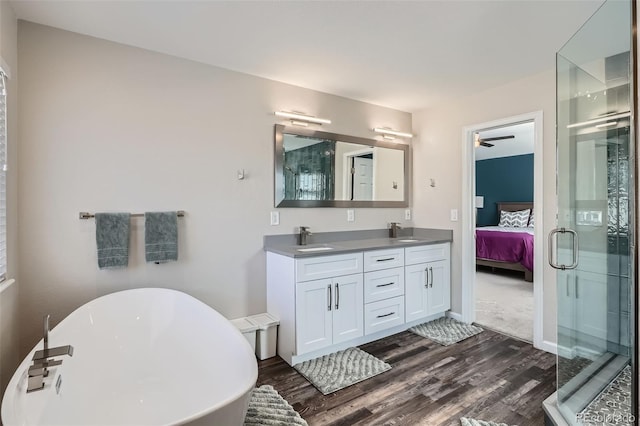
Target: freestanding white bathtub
(141, 357)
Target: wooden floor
(488, 377)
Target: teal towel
(112, 239)
(161, 236)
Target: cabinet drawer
(380, 285)
(383, 314)
(426, 253)
(314, 268)
(383, 259)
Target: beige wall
(106, 127)
(438, 155)
(9, 347)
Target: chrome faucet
(393, 229)
(304, 233)
(43, 359)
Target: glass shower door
(591, 247)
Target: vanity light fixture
(302, 119)
(386, 132)
(600, 120)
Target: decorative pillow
(531, 222)
(518, 219)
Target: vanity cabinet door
(439, 294)
(314, 310)
(348, 308)
(416, 291)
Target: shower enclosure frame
(597, 175)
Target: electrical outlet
(454, 215)
(407, 214)
(275, 218)
(350, 216)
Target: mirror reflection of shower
(325, 169)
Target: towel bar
(86, 215)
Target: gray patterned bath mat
(473, 422)
(267, 407)
(338, 370)
(446, 331)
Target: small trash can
(248, 330)
(267, 339)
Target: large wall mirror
(321, 169)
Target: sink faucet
(304, 233)
(43, 359)
(393, 229)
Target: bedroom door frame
(468, 220)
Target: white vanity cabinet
(328, 311)
(427, 281)
(328, 302)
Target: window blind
(3, 176)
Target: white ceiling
(406, 55)
(521, 144)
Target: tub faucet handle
(53, 352)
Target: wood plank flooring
(488, 377)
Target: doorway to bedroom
(468, 222)
(503, 201)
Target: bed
(506, 248)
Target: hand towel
(112, 239)
(161, 236)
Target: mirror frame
(280, 130)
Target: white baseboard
(550, 347)
(456, 316)
(578, 351)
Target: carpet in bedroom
(504, 302)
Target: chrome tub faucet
(43, 359)
(304, 233)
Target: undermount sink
(311, 249)
(407, 240)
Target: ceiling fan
(478, 141)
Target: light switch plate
(454, 215)
(407, 214)
(275, 218)
(350, 215)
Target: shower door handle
(574, 256)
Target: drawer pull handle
(384, 285)
(329, 292)
(385, 315)
(386, 259)
(337, 296)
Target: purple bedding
(516, 247)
